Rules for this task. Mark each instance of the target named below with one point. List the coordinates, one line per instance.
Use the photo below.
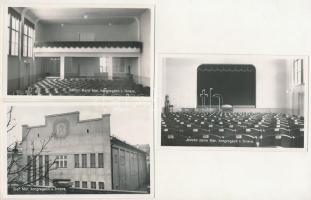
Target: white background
(273, 27)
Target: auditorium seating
(85, 87)
(232, 129)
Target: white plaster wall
(145, 37)
(271, 79)
(270, 27)
(78, 141)
(69, 32)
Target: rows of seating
(232, 129)
(85, 87)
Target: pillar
(62, 67)
(110, 68)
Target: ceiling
(106, 16)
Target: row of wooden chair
(86, 87)
(219, 128)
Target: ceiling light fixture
(62, 25)
(85, 16)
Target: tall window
(298, 72)
(92, 160)
(84, 161)
(34, 170)
(14, 32)
(100, 160)
(47, 166)
(28, 36)
(28, 169)
(76, 157)
(122, 157)
(61, 161)
(40, 170)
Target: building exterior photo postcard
(78, 150)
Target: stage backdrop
(236, 83)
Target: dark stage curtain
(236, 83)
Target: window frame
(93, 185)
(77, 184)
(40, 170)
(47, 166)
(34, 169)
(298, 72)
(77, 160)
(92, 160)
(84, 161)
(101, 184)
(14, 26)
(28, 39)
(100, 158)
(61, 161)
(84, 183)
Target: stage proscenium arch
(236, 83)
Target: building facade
(80, 153)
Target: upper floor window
(100, 160)
(76, 159)
(84, 161)
(28, 38)
(298, 72)
(92, 160)
(61, 161)
(14, 32)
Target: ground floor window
(84, 184)
(93, 185)
(101, 185)
(77, 184)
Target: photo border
(116, 105)
(78, 4)
(160, 63)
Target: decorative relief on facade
(61, 128)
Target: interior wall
(120, 66)
(145, 37)
(134, 69)
(22, 71)
(271, 80)
(70, 32)
(87, 66)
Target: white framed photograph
(72, 149)
(234, 101)
(59, 50)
